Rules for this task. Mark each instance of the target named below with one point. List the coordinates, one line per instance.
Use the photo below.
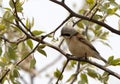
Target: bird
(78, 45)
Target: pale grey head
(68, 31)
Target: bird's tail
(104, 60)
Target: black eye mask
(65, 34)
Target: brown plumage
(78, 45)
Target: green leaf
(90, 1)
(32, 63)
(80, 24)
(2, 64)
(16, 73)
(29, 24)
(42, 46)
(11, 4)
(105, 77)
(73, 63)
(92, 73)
(111, 10)
(8, 16)
(30, 43)
(104, 35)
(37, 32)
(115, 62)
(11, 53)
(105, 43)
(110, 59)
(19, 4)
(2, 27)
(57, 74)
(32, 23)
(84, 79)
(71, 77)
(42, 51)
(0, 51)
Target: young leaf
(84, 79)
(105, 77)
(42, 46)
(57, 74)
(11, 53)
(30, 43)
(0, 51)
(16, 73)
(115, 62)
(71, 77)
(32, 63)
(110, 59)
(37, 32)
(42, 52)
(90, 1)
(92, 73)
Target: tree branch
(62, 71)
(57, 27)
(73, 14)
(70, 57)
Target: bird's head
(68, 32)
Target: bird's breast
(78, 48)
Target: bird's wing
(86, 42)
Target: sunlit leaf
(32, 63)
(57, 74)
(16, 73)
(71, 77)
(42, 51)
(105, 43)
(2, 27)
(111, 10)
(11, 53)
(11, 4)
(115, 62)
(2, 64)
(42, 46)
(30, 43)
(73, 63)
(80, 24)
(84, 79)
(90, 1)
(92, 73)
(29, 24)
(0, 51)
(105, 77)
(37, 32)
(110, 59)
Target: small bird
(78, 45)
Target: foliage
(18, 41)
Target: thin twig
(18, 19)
(87, 18)
(50, 64)
(84, 60)
(1, 79)
(76, 73)
(20, 62)
(61, 43)
(95, 64)
(28, 54)
(53, 32)
(62, 71)
(86, 14)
